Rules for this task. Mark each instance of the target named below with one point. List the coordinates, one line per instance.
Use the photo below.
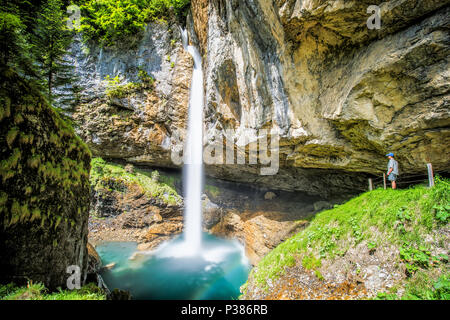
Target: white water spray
(193, 155)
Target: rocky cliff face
(44, 191)
(339, 94)
(133, 116)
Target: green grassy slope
(401, 218)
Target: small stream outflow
(193, 155)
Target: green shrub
(422, 288)
(386, 296)
(310, 262)
(145, 77)
(155, 176)
(415, 258)
(112, 176)
(114, 88)
(110, 21)
(442, 212)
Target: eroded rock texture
(128, 118)
(340, 95)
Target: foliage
(386, 296)
(37, 291)
(442, 288)
(415, 258)
(111, 21)
(58, 169)
(371, 245)
(113, 176)
(155, 175)
(51, 38)
(310, 262)
(15, 48)
(116, 89)
(144, 77)
(34, 38)
(442, 212)
(422, 288)
(331, 232)
(212, 191)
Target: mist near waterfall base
(214, 273)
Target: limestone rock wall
(339, 94)
(134, 124)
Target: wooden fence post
(370, 184)
(430, 175)
(384, 180)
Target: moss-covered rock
(44, 191)
(132, 204)
(115, 187)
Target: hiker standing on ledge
(392, 168)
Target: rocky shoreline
(259, 218)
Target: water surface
(217, 272)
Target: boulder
(118, 294)
(269, 195)
(260, 232)
(44, 193)
(322, 205)
(110, 266)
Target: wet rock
(166, 228)
(157, 217)
(269, 195)
(135, 219)
(94, 260)
(104, 203)
(118, 294)
(137, 127)
(322, 205)
(144, 246)
(110, 266)
(212, 213)
(260, 232)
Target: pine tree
(51, 41)
(15, 48)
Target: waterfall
(193, 154)
(194, 266)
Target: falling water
(193, 152)
(197, 265)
